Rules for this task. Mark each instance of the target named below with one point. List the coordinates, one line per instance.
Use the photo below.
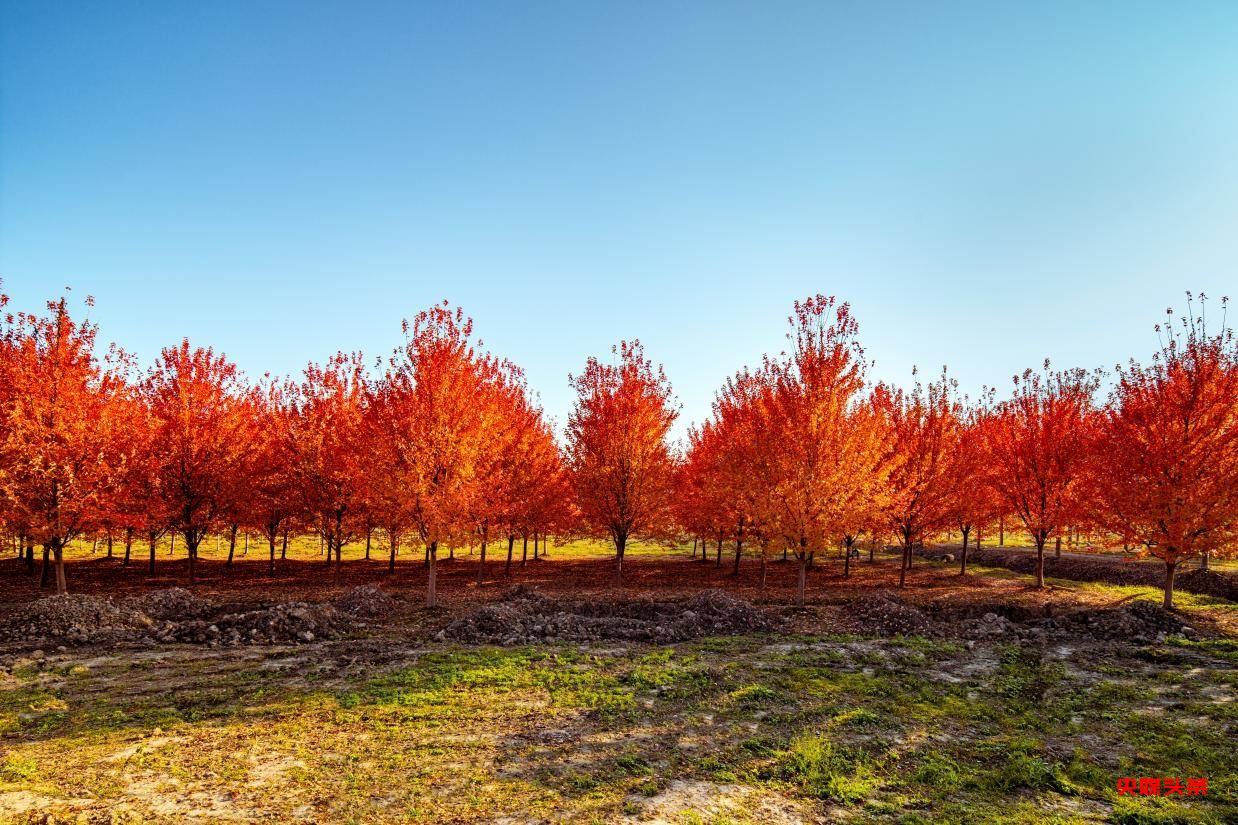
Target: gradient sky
(988, 184)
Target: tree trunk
(621, 543)
(1203, 561)
(128, 544)
(963, 558)
(1171, 570)
(47, 561)
(245, 549)
(511, 542)
(109, 544)
(337, 539)
(905, 564)
(30, 556)
(1001, 531)
(432, 550)
(232, 543)
(534, 545)
(1040, 560)
(193, 560)
(693, 548)
(283, 550)
(58, 551)
(272, 539)
(762, 569)
(369, 535)
(966, 531)
(481, 565)
(391, 561)
(847, 559)
(739, 551)
(803, 577)
(1057, 548)
(153, 542)
(718, 562)
(524, 549)
(977, 537)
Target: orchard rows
(442, 445)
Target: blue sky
(988, 184)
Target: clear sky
(988, 184)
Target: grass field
(803, 725)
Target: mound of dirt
(1208, 583)
(526, 616)
(74, 619)
(886, 615)
(1139, 622)
(175, 604)
(366, 601)
(293, 622)
(166, 616)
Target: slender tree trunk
(977, 536)
(872, 552)
(128, 544)
(1057, 548)
(431, 583)
(283, 549)
(272, 540)
(534, 545)
(693, 548)
(762, 569)
(1040, 560)
(1001, 531)
(58, 552)
(245, 549)
(784, 552)
(337, 538)
(30, 556)
(153, 542)
(1203, 561)
(47, 569)
(524, 550)
(232, 543)
(481, 565)
(718, 559)
(963, 557)
(1171, 570)
(803, 577)
(511, 543)
(966, 531)
(369, 536)
(906, 560)
(391, 560)
(109, 544)
(193, 560)
(172, 545)
(847, 557)
(621, 543)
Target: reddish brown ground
(645, 576)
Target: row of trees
(802, 454)
(445, 447)
(442, 445)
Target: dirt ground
(971, 699)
